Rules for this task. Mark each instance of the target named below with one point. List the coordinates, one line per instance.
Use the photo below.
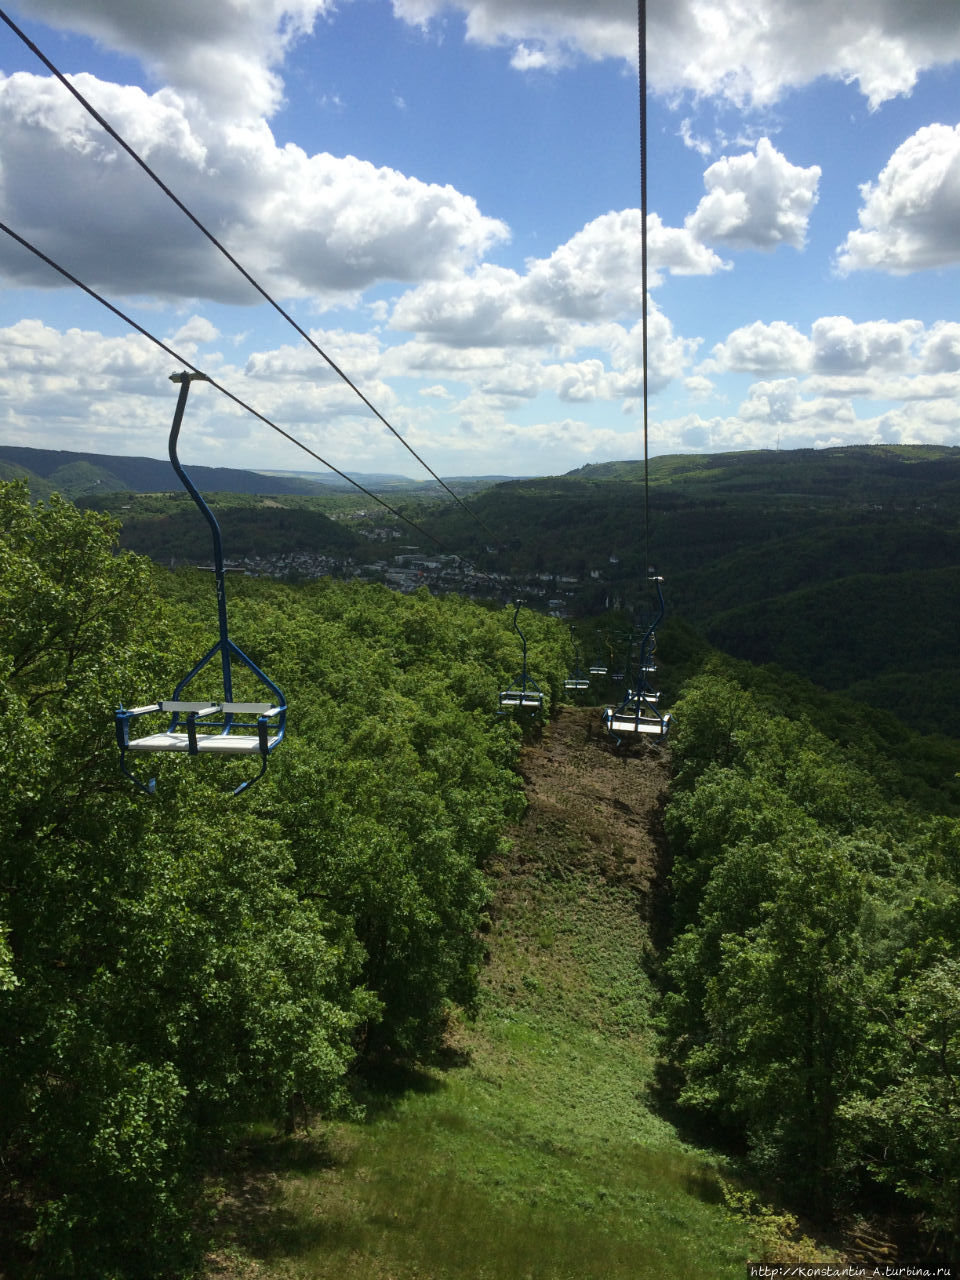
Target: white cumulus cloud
(756, 201)
(750, 53)
(316, 225)
(941, 349)
(593, 277)
(910, 218)
(841, 347)
(224, 53)
(763, 348)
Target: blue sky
(446, 194)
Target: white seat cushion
(630, 724)
(219, 744)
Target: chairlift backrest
(639, 713)
(524, 694)
(221, 725)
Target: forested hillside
(175, 970)
(77, 475)
(172, 969)
(811, 1011)
(838, 563)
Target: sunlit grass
(537, 1157)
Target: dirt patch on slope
(594, 806)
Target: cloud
(485, 309)
(304, 225)
(762, 348)
(360, 353)
(841, 347)
(837, 348)
(690, 140)
(56, 386)
(525, 59)
(196, 330)
(756, 201)
(781, 402)
(941, 349)
(601, 363)
(699, 387)
(595, 276)
(910, 218)
(750, 54)
(597, 273)
(79, 388)
(221, 53)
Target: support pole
(185, 380)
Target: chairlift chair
(524, 694)
(576, 681)
(638, 714)
(620, 673)
(219, 725)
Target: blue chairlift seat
(529, 699)
(636, 715)
(639, 713)
(524, 694)
(220, 725)
(576, 682)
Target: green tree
(911, 1128)
(162, 978)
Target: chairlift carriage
(618, 675)
(638, 714)
(599, 666)
(524, 694)
(215, 726)
(576, 681)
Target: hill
(773, 964)
(534, 1146)
(83, 474)
(840, 564)
(530, 1147)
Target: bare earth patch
(594, 805)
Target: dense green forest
(85, 474)
(174, 970)
(811, 1011)
(840, 564)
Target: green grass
(535, 1155)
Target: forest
(178, 969)
(838, 564)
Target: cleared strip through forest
(531, 1149)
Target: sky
(446, 195)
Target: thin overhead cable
(158, 342)
(642, 77)
(121, 142)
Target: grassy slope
(532, 1152)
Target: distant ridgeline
(841, 564)
(84, 474)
